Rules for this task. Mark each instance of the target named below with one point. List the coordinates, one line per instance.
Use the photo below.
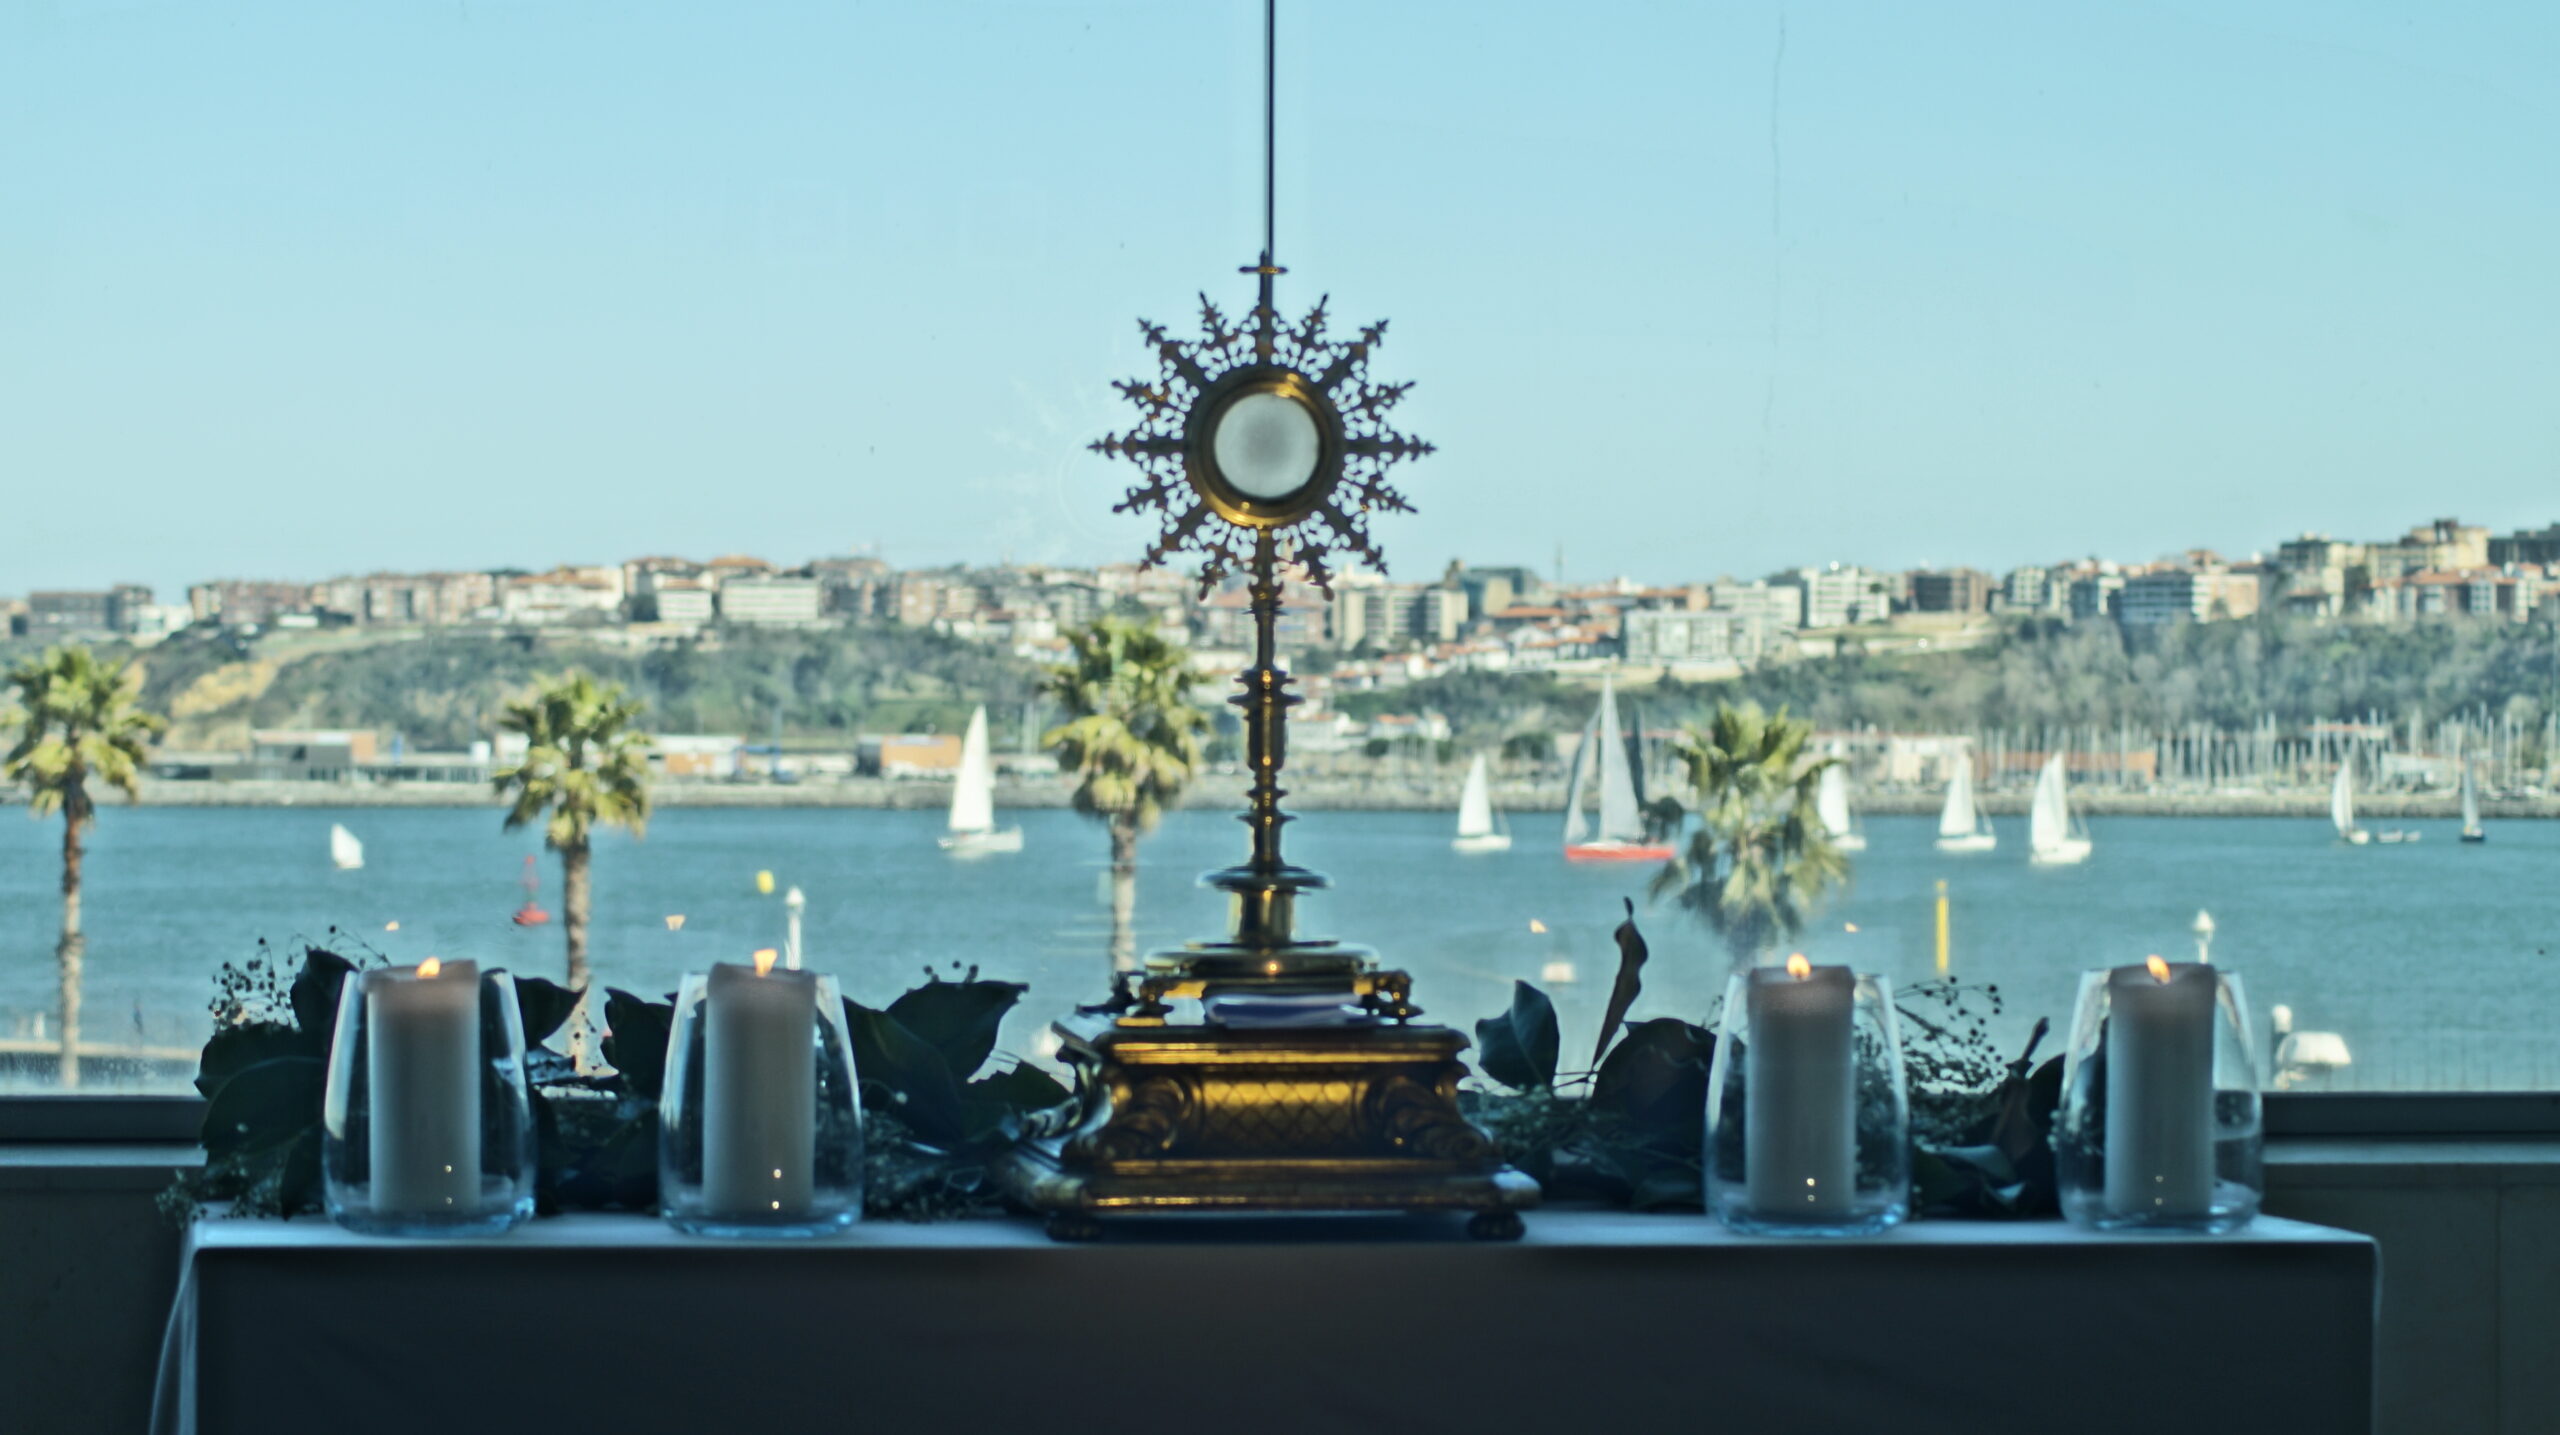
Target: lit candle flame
(2159, 968)
(1537, 927)
(1798, 967)
(430, 967)
(675, 921)
(765, 958)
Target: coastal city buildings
(1469, 618)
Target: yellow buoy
(1942, 929)
(764, 883)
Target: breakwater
(1310, 794)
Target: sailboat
(345, 852)
(2050, 840)
(1602, 758)
(973, 799)
(1962, 828)
(2471, 807)
(2342, 805)
(1478, 830)
(1831, 804)
(531, 913)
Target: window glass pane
(2154, 390)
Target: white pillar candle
(1800, 1102)
(2160, 1089)
(759, 1090)
(422, 1078)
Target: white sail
(1475, 802)
(2049, 814)
(1831, 802)
(2342, 799)
(1577, 828)
(1620, 818)
(973, 797)
(1958, 818)
(2470, 801)
(2049, 835)
(1477, 829)
(344, 849)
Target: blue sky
(295, 289)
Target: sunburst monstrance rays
(1337, 370)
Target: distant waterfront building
(308, 755)
(67, 614)
(64, 613)
(563, 595)
(2187, 595)
(1672, 635)
(687, 601)
(2511, 594)
(2316, 574)
(1955, 590)
(406, 598)
(1385, 614)
(2096, 595)
(235, 602)
(1490, 590)
(772, 601)
(913, 754)
(1772, 606)
(1836, 596)
(858, 586)
(2034, 588)
(2443, 546)
(2540, 547)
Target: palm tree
(1132, 737)
(1760, 861)
(583, 765)
(77, 724)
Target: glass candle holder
(1808, 1119)
(760, 1123)
(2159, 1127)
(426, 1127)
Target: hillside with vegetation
(2038, 674)
(445, 690)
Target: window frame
(28, 1119)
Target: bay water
(2438, 962)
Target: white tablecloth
(1597, 1322)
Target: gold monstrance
(1265, 1070)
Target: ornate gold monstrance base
(1194, 1116)
(1265, 1072)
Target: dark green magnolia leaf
(1977, 1182)
(1519, 1047)
(264, 1106)
(596, 1155)
(1025, 1088)
(2044, 1094)
(906, 1075)
(635, 1042)
(235, 1049)
(958, 1019)
(315, 992)
(1656, 1080)
(544, 1007)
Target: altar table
(1597, 1322)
